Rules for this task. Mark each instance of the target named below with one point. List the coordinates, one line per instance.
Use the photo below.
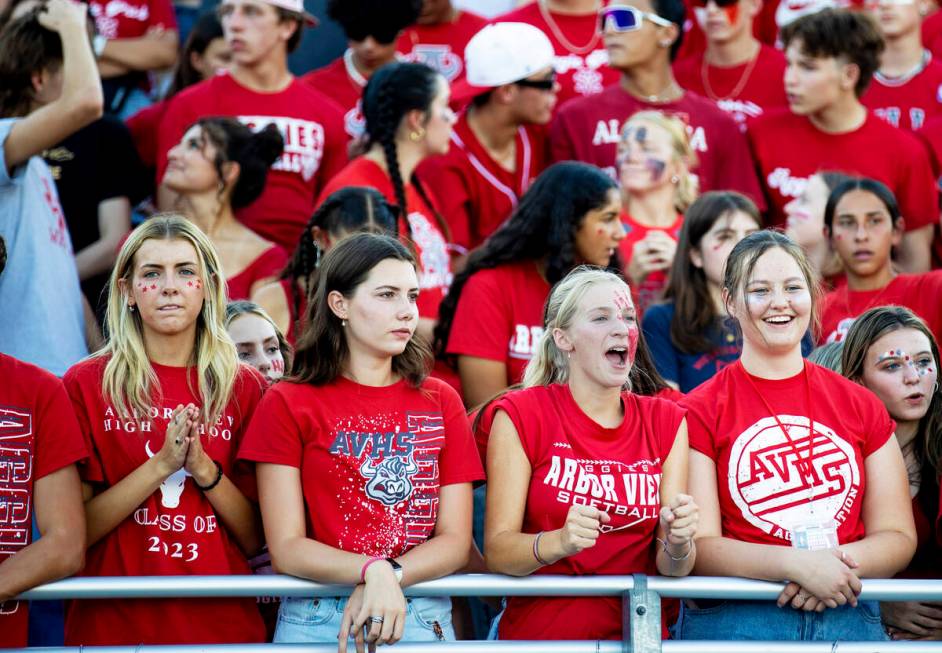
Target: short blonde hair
(687, 187)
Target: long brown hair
(322, 350)
(694, 313)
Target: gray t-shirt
(41, 316)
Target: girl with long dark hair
(364, 462)
(492, 318)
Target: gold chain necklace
(737, 89)
(558, 33)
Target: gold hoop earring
(417, 135)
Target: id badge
(815, 536)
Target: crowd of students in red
(585, 250)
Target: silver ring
(376, 620)
(178, 441)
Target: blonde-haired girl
(163, 405)
(583, 475)
(654, 162)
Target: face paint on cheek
(278, 365)
(732, 13)
(656, 167)
(633, 335)
(142, 287)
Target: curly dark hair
(842, 34)
(381, 19)
(349, 210)
(542, 229)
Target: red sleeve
(699, 432)
(335, 147)
(459, 462)
(249, 388)
(560, 139)
(176, 120)
(524, 414)
(75, 380)
(482, 320)
(918, 195)
(668, 418)
(273, 435)
(143, 126)
(59, 440)
(444, 178)
(162, 15)
(738, 169)
(879, 427)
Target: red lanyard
(807, 374)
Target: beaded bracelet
(664, 545)
(536, 550)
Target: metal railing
(641, 609)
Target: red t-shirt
(694, 43)
(125, 19)
(431, 247)
(588, 129)
(760, 84)
(143, 126)
(372, 459)
(335, 81)
(441, 46)
(38, 436)
(910, 104)
(500, 316)
(269, 264)
(921, 293)
(582, 70)
(475, 192)
(765, 479)
(650, 290)
(175, 531)
(575, 461)
(788, 150)
(315, 146)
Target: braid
(439, 218)
(389, 122)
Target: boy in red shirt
(905, 89)
(831, 57)
(496, 151)
(642, 37)
(41, 444)
(738, 72)
(439, 37)
(260, 90)
(572, 27)
(372, 28)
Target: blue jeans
(304, 621)
(763, 620)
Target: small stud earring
(416, 135)
(131, 307)
(675, 179)
(343, 323)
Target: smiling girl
(365, 463)
(891, 352)
(163, 406)
(864, 226)
(796, 469)
(573, 429)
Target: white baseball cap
(297, 6)
(502, 53)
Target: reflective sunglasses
(621, 18)
(546, 84)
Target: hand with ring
(172, 455)
(375, 613)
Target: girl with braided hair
(407, 121)
(348, 211)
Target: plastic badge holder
(814, 537)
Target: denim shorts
(765, 621)
(303, 620)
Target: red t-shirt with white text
(767, 480)
(650, 290)
(434, 260)
(334, 81)
(38, 436)
(315, 146)
(477, 193)
(575, 461)
(910, 104)
(441, 45)
(175, 531)
(788, 150)
(588, 129)
(583, 72)
(763, 87)
(372, 459)
(921, 293)
(125, 19)
(500, 316)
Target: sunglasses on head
(622, 18)
(719, 3)
(546, 84)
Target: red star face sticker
(153, 286)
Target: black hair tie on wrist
(207, 488)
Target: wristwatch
(396, 567)
(98, 45)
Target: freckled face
(257, 344)
(166, 286)
(901, 370)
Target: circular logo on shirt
(779, 482)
